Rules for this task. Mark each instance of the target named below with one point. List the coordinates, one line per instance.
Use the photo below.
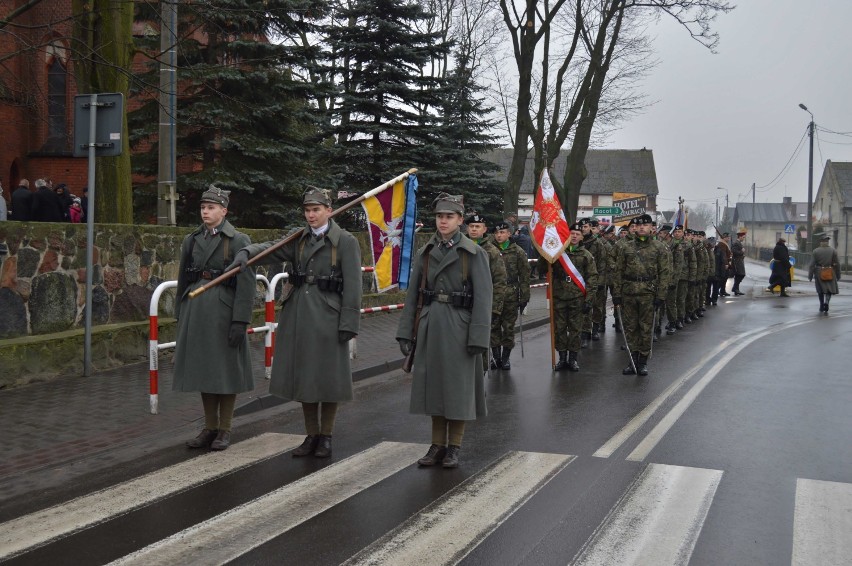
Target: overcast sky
(731, 119)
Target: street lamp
(810, 179)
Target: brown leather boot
(307, 447)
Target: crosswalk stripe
(43, 526)
(466, 515)
(822, 523)
(657, 521)
(235, 532)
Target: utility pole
(717, 213)
(810, 227)
(753, 214)
(166, 170)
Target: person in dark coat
(212, 351)
(320, 314)
(22, 202)
(780, 268)
(738, 261)
(452, 277)
(84, 204)
(825, 261)
(65, 200)
(46, 204)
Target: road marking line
(61, 520)
(822, 523)
(458, 521)
(657, 521)
(231, 534)
(667, 422)
(645, 414)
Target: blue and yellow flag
(391, 215)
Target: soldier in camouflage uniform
(663, 235)
(570, 304)
(517, 293)
(476, 230)
(687, 274)
(592, 321)
(675, 247)
(700, 275)
(640, 284)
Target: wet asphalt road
(746, 407)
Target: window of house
(57, 101)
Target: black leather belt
(211, 274)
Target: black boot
(658, 330)
(573, 365)
(495, 358)
(307, 447)
(203, 440)
(435, 454)
(679, 324)
(563, 361)
(323, 449)
(641, 364)
(584, 339)
(596, 331)
(602, 326)
(629, 369)
(504, 359)
(670, 329)
(451, 460)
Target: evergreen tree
(387, 105)
(243, 121)
(453, 161)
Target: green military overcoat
(311, 364)
(203, 360)
(447, 380)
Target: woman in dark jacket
(780, 267)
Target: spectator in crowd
(3, 210)
(22, 202)
(65, 199)
(47, 206)
(780, 268)
(75, 213)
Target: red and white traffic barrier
(384, 308)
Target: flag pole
(552, 325)
(369, 194)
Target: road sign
(606, 211)
(108, 127)
(789, 228)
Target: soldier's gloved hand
(345, 336)
(240, 260)
(616, 301)
(476, 350)
(523, 306)
(404, 346)
(658, 303)
(237, 333)
(587, 307)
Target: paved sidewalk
(54, 423)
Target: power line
(784, 169)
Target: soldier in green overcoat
(824, 257)
(516, 296)
(320, 313)
(211, 353)
(451, 278)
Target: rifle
(521, 314)
(408, 362)
(296, 234)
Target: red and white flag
(550, 231)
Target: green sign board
(606, 211)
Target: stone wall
(43, 274)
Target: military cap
(623, 228)
(216, 195)
(711, 240)
(316, 195)
(824, 237)
(644, 219)
(503, 226)
(632, 221)
(475, 219)
(678, 227)
(725, 234)
(577, 225)
(609, 229)
(583, 221)
(665, 228)
(741, 232)
(594, 222)
(448, 203)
